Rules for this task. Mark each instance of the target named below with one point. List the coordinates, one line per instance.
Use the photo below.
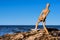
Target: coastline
(33, 35)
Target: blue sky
(26, 12)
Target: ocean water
(9, 29)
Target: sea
(10, 29)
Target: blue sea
(9, 29)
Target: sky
(26, 12)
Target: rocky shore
(54, 34)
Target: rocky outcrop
(33, 35)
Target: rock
(33, 35)
(17, 36)
(52, 29)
